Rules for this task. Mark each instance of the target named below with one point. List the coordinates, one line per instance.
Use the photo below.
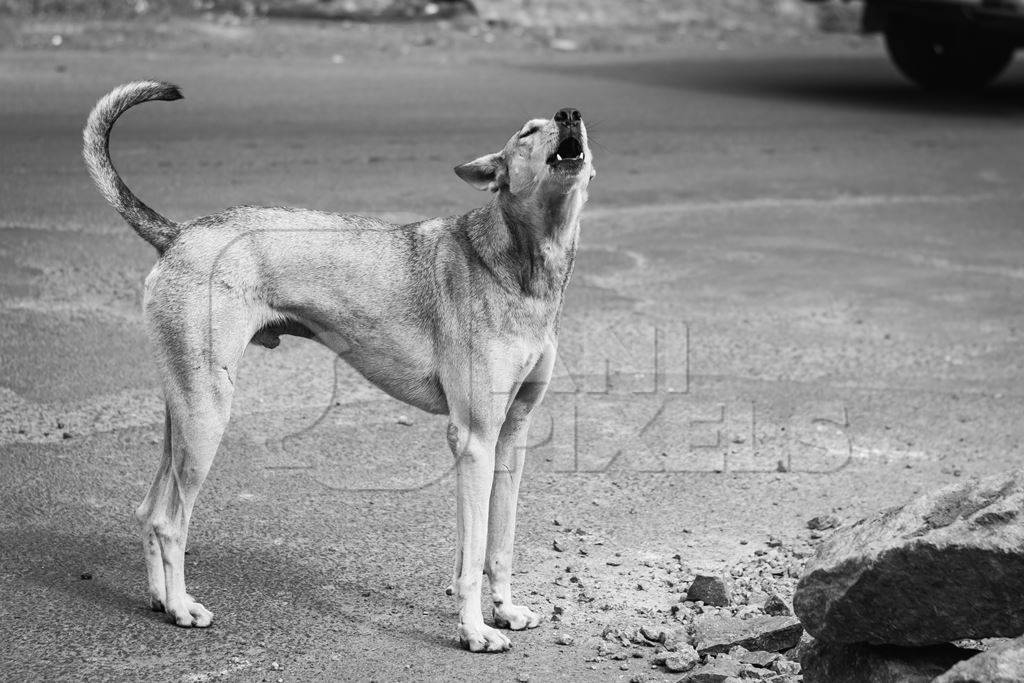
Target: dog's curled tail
(150, 225)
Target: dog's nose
(568, 117)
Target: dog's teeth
(558, 156)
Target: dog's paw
(483, 638)
(189, 614)
(515, 617)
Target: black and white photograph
(668, 341)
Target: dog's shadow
(261, 592)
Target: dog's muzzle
(569, 155)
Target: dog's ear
(486, 173)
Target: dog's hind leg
(196, 424)
(151, 545)
(510, 458)
(198, 387)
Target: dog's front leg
(501, 530)
(510, 458)
(472, 442)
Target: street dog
(457, 316)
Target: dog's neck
(529, 244)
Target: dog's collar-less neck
(536, 259)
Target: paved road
(830, 263)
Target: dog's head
(545, 159)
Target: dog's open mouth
(568, 155)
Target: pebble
(776, 606)
(405, 420)
(684, 659)
(565, 639)
(653, 635)
(785, 667)
(711, 590)
(822, 522)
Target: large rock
(844, 663)
(946, 566)
(718, 634)
(1004, 663)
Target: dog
(457, 316)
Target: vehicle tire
(945, 56)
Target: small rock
(558, 547)
(785, 667)
(405, 420)
(684, 659)
(673, 640)
(637, 637)
(275, 666)
(615, 635)
(758, 658)
(86, 576)
(565, 639)
(823, 522)
(523, 678)
(716, 634)
(711, 590)
(776, 606)
(717, 670)
(655, 636)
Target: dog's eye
(529, 132)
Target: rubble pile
(930, 591)
(722, 625)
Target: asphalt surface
(800, 291)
